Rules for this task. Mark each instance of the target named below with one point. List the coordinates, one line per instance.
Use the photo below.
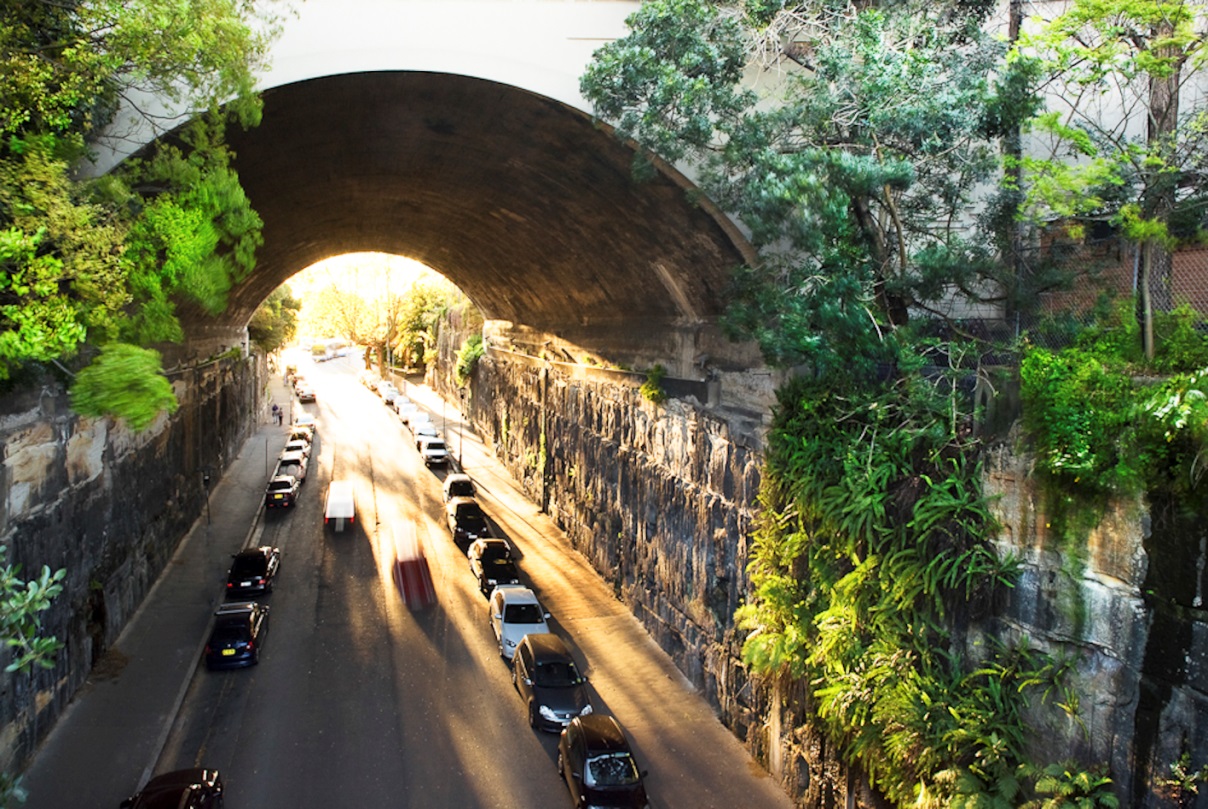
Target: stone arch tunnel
(524, 202)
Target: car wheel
(532, 714)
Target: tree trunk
(1159, 196)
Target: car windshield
(280, 485)
(461, 488)
(556, 674)
(611, 770)
(249, 565)
(494, 553)
(435, 445)
(523, 614)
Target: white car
(425, 430)
(306, 420)
(388, 392)
(433, 451)
(515, 612)
(458, 485)
(406, 410)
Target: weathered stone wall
(660, 499)
(110, 506)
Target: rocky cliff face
(110, 506)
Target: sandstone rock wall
(109, 505)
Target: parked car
(306, 420)
(458, 485)
(302, 432)
(368, 379)
(417, 419)
(388, 392)
(547, 679)
(405, 411)
(238, 635)
(425, 430)
(514, 612)
(433, 451)
(595, 759)
(306, 393)
(295, 464)
(297, 445)
(466, 520)
(183, 789)
(282, 492)
(252, 571)
(492, 564)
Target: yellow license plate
(278, 497)
(228, 652)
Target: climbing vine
(869, 554)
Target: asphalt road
(358, 701)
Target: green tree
(90, 262)
(274, 324)
(1117, 143)
(855, 167)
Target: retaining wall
(110, 506)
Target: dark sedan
(282, 492)
(492, 564)
(466, 520)
(595, 760)
(238, 635)
(549, 682)
(182, 789)
(252, 571)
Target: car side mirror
(528, 681)
(548, 616)
(644, 773)
(497, 616)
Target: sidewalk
(105, 745)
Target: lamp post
(461, 394)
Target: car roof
(547, 648)
(280, 478)
(516, 594)
(602, 734)
(255, 553)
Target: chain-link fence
(1099, 271)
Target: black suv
(492, 564)
(466, 519)
(252, 572)
(595, 760)
(548, 680)
(238, 635)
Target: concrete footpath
(106, 744)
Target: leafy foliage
(467, 358)
(652, 388)
(869, 550)
(274, 324)
(124, 381)
(853, 169)
(87, 262)
(21, 601)
(1098, 424)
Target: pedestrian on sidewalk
(276, 414)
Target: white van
(341, 506)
